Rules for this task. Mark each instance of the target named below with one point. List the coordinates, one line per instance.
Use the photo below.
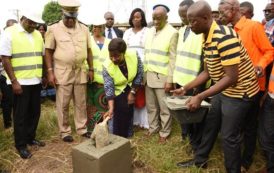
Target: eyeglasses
(109, 18)
(68, 17)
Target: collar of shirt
(61, 23)
(241, 23)
(109, 29)
(270, 23)
(213, 26)
(158, 32)
(20, 28)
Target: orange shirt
(256, 43)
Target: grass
(148, 155)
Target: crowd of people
(219, 55)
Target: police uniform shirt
(70, 47)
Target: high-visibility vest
(157, 50)
(271, 81)
(99, 56)
(188, 57)
(120, 81)
(26, 61)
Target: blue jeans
(266, 132)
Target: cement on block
(113, 158)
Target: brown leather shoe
(162, 140)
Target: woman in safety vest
(122, 74)
(97, 103)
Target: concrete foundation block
(113, 158)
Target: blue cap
(161, 5)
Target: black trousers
(250, 132)
(6, 102)
(266, 132)
(26, 114)
(227, 114)
(123, 114)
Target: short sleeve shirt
(224, 48)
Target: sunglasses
(68, 17)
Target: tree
(52, 12)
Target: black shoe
(7, 125)
(24, 153)
(191, 163)
(86, 135)
(37, 143)
(68, 139)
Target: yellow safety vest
(188, 58)
(99, 56)
(26, 61)
(120, 81)
(157, 50)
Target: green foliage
(52, 12)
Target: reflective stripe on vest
(188, 57)
(26, 58)
(157, 50)
(99, 56)
(120, 81)
(271, 81)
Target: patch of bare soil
(56, 157)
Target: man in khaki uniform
(160, 47)
(67, 45)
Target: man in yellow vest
(266, 125)
(67, 44)
(21, 50)
(187, 67)
(160, 52)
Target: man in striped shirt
(229, 66)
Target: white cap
(33, 15)
(98, 21)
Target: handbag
(140, 98)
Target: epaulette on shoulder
(53, 23)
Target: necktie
(109, 33)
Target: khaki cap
(69, 3)
(70, 7)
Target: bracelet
(50, 69)
(13, 80)
(91, 69)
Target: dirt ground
(56, 157)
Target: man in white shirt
(21, 48)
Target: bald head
(161, 10)
(199, 17)
(200, 9)
(159, 17)
(234, 3)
